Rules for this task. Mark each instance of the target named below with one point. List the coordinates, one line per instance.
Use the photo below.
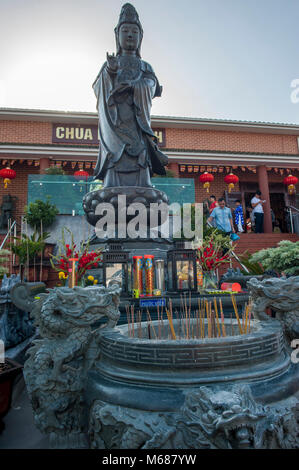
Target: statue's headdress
(128, 14)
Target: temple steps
(253, 242)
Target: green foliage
(216, 234)
(4, 258)
(254, 267)
(283, 259)
(54, 170)
(40, 214)
(27, 248)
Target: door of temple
(277, 202)
(231, 198)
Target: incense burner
(132, 386)
(154, 374)
(191, 393)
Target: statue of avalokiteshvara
(125, 87)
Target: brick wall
(194, 139)
(26, 132)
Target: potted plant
(8, 372)
(41, 215)
(28, 249)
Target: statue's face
(129, 37)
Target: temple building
(260, 155)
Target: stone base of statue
(120, 197)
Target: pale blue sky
(225, 59)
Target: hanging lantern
(7, 174)
(81, 175)
(206, 178)
(231, 180)
(291, 181)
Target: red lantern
(81, 175)
(231, 180)
(291, 181)
(7, 174)
(206, 178)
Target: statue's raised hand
(112, 63)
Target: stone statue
(7, 207)
(128, 150)
(282, 295)
(15, 323)
(125, 87)
(56, 370)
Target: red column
(43, 164)
(264, 188)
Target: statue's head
(128, 25)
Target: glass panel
(159, 275)
(182, 269)
(179, 190)
(66, 192)
(185, 275)
(191, 274)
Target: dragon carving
(209, 419)
(56, 370)
(281, 295)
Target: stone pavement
(20, 431)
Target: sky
(218, 59)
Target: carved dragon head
(64, 309)
(223, 419)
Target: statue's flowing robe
(136, 141)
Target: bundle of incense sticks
(206, 321)
(236, 313)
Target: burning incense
(222, 319)
(217, 317)
(133, 320)
(178, 322)
(139, 324)
(151, 323)
(171, 324)
(236, 312)
(197, 324)
(208, 318)
(128, 320)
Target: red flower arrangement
(86, 259)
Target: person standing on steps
(258, 212)
(223, 217)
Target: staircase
(253, 242)
(257, 241)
